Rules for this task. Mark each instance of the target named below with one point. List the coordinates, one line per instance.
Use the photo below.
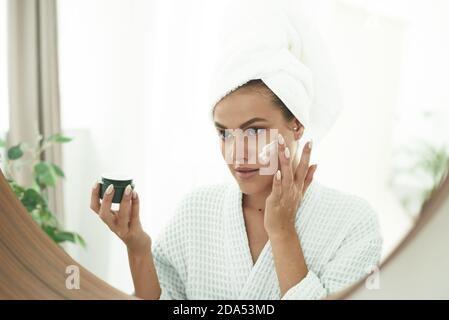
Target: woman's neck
(256, 201)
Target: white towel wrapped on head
(262, 39)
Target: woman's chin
(254, 185)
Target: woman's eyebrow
(243, 125)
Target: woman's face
(254, 113)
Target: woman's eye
(255, 131)
(251, 131)
(261, 131)
(227, 134)
(224, 135)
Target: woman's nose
(243, 150)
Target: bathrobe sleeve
(168, 255)
(356, 257)
(172, 287)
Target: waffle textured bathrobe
(203, 251)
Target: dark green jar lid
(120, 181)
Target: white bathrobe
(203, 253)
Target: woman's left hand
(289, 187)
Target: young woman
(278, 236)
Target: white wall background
(133, 79)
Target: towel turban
(263, 39)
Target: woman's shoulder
(193, 208)
(202, 199)
(208, 193)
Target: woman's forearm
(289, 260)
(146, 282)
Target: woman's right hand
(125, 222)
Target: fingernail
(280, 139)
(127, 190)
(287, 152)
(95, 184)
(109, 189)
(134, 195)
(278, 175)
(310, 144)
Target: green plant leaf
(15, 152)
(2, 143)
(62, 236)
(58, 138)
(48, 218)
(50, 231)
(36, 217)
(18, 190)
(32, 199)
(79, 240)
(36, 187)
(58, 170)
(45, 174)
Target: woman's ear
(298, 129)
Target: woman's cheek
(226, 151)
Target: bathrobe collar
(244, 273)
(242, 270)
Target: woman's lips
(246, 173)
